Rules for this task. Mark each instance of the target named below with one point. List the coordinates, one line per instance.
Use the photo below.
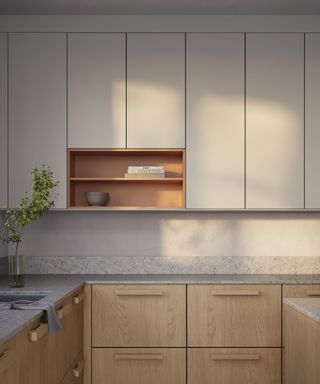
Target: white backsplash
(174, 242)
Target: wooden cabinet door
(275, 120)
(66, 344)
(97, 90)
(139, 366)
(10, 359)
(156, 90)
(301, 290)
(139, 315)
(234, 315)
(3, 120)
(37, 110)
(34, 349)
(312, 116)
(232, 365)
(215, 120)
(75, 373)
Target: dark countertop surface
(58, 287)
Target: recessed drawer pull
(37, 333)
(78, 298)
(4, 354)
(139, 292)
(313, 292)
(138, 356)
(63, 311)
(77, 371)
(235, 292)
(235, 356)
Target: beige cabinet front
(301, 290)
(66, 344)
(234, 365)
(9, 364)
(156, 90)
(139, 366)
(234, 316)
(139, 316)
(75, 373)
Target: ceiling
(156, 7)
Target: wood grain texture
(302, 348)
(234, 321)
(265, 370)
(10, 361)
(138, 321)
(65, 345)
(170, 370)
(87, 333)
(70, 377)
(299, 290)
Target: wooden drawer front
(139, 316)
(234, 316)
(234, 365)
(75, 373)
(311, 290)
(66, 344)
(9, 363)
(139, 366)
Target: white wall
(174, 242)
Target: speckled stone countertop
(308, 306)
(58, 287)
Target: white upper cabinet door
(37, 111)
(97, 90)
(3, 120)
(312, 122)
(215, 121)
(156, 90)
(275, 121)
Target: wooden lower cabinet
(139, 365)
(75, 372)
(9, 362)
(234, 316)
(301, 290)
(234, 365)
(66, 344)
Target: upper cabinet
(97, 90)
(215, 120)
(156, 90)
(275, 121)
(3, 120)
(312, 116)
(37, 110)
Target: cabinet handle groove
(138, 356)
(235, 292)
(77, 371)
(235, 356)
(63, 311)
(313, 292)
(4, 354)
(37, 333)
(78, 298)
(139, 292)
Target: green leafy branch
(30, 208)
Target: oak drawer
(75, 372)
(234, 365)
(139, 365)
(298, 290)
(234, 316)
(139, 316)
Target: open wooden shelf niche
(104, 170)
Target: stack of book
(145, 171)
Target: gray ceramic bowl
(99, 199)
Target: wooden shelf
(102, 170)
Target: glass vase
(17, 269)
